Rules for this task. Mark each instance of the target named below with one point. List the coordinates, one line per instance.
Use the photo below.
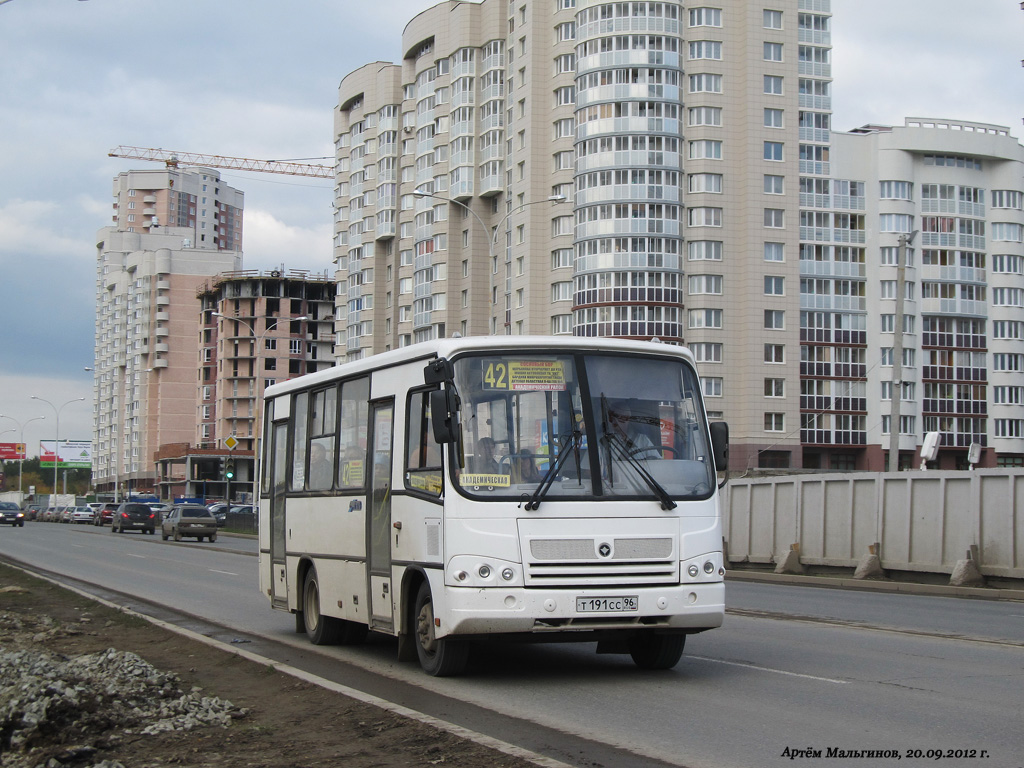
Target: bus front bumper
(475, 611)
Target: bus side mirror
(444, 415)
(720, 445)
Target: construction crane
(174, 159)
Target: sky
(255, 78)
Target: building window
(775, 319)
(773, 52)
(774, 251)
(703, 216)
(773, 150)
(774, 218)
(707, 352)
(774, 387)
(773, 84)
(706, 149)
(705, 83)
(772, 19)
(704, 250)
(705, 49)
(704, 284)
(774, 285)
(705, 17)
(705, 318)
(773, 118)
(774, 185)
(775, 353)
(775, 422)
(712, 386)
(705, 115)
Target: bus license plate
(607, 604)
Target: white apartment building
(956, 187)
(172, 229)
(634, 169)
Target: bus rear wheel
(440, 657)
(652, 651)
(320, 629)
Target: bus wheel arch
(439, 656)
(320, 629)
(300, 580)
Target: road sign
(231, 443)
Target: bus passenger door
(278, 474)
(378, 522)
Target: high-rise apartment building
(172, 229)
(640, 169)
(954, 190)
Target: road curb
(366, 698)
(875, 585)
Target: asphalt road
(794, 668)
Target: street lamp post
(256, 358)
(897, 353)
(56, 441)
(21, 461)
(492, 242)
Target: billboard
(12, 451)
(73, 454)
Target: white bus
(547, 488)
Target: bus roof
(429, 350)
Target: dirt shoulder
(277, 721)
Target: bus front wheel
(440, 657)
(651, 651)
(320, 629)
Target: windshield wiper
(623, 449)
(572, 440)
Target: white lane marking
(769, 669)
(226, 573)
(141, 557)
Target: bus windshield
(581, 426)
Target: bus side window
(352, 451)
(301, 411)
(423, 457)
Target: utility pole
(897, 352)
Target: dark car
(105, 513)
(220, 512)
(32, 511)
(133, 516)
(189, 520)
(11, 514)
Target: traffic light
(229, 469)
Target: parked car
(160, 508)
(65, 514)
(133, 516)
(11, 514)
(82, 514)
(242, 509)
(32, 511)
(105, 514)
(189, 520)
(49, 514)
(220, 511)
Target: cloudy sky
(256, 78)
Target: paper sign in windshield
(524, 375)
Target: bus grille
(618, 561)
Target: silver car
(188, 520)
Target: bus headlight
(709, 567)
(484, 572)
(693, 570)
(508, 574)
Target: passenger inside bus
(629, 431)
(320, 468)
(524, 469)
(484, 461)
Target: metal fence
(923, 521)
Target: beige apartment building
(172, 229)
(643, 170)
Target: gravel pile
(88, 699)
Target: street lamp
(56, 441)
(897, 352)
(21, 461)
(492, 242)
